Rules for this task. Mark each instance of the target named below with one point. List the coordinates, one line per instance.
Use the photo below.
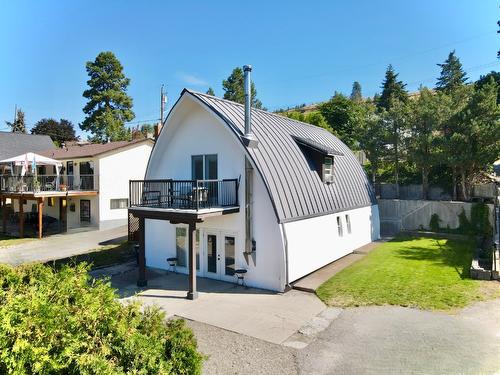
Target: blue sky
(301, 51)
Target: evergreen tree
(108, 106)
(452, 74)
(356, 95)
(210, 91)
(60, 131)
(392, 90)
(483, 80)
(19, 125)
(234, 89)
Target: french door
(219, 255)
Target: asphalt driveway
(369, 340)
(60, 246)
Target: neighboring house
(247, 191)
(91, 190)
(13, 144)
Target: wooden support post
(141, 281)
(21, 218)
(40, 218)
(4, 214)
(192, 293)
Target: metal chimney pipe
(249, 137)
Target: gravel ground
(232, 353)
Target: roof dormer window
(319, 157)
(328, 170)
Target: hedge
(64, 322)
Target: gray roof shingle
(14, 144)
(296, 191)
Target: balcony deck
(43, 186)
(183, 200)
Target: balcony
(48, 184)
(186, 195)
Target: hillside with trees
(447, 135)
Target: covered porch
(180, 202)
(14, 211)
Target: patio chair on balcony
(151, 198)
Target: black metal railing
(45, 183)
(184, 194)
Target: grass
(6, 241)
(103, 256)
(425, 273)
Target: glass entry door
(220, 255)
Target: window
(348, 223)
(51, 201)
(339, 226)
(328, 170)
(229, 259)
(120, 203)
(181, 246)
(197, 247)
(204, 167)
(69, 168)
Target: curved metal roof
(296, 191)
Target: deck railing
(47, 183)
(184, 194)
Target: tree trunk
(463, 183)
(425, 183)
(454, 182)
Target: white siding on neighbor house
(116, 168)
(196, 131)
(313, 243)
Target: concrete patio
(265, 315)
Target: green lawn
(103, 256)
(425, 273)
(6, 241)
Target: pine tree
(19, 125)
(392, 90)
(234, 89)
(452, 74)
(356, 95)
(108, 106)
(210, 91)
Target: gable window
(328, 169)
(348, 223)
(118, 203)
(181, 246)
(339, 226)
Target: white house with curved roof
(249, 191)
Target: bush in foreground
(61, 322)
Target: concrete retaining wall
(397, 215)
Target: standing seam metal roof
(296, 191)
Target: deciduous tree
(210, 91)
(60, 131)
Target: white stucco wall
(115, 170)
(195, 131)
(313, 243)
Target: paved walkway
(265, 315)
(60, 246)
(312, 281)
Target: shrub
(480, 221)
(63, 322)
(434, 223)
